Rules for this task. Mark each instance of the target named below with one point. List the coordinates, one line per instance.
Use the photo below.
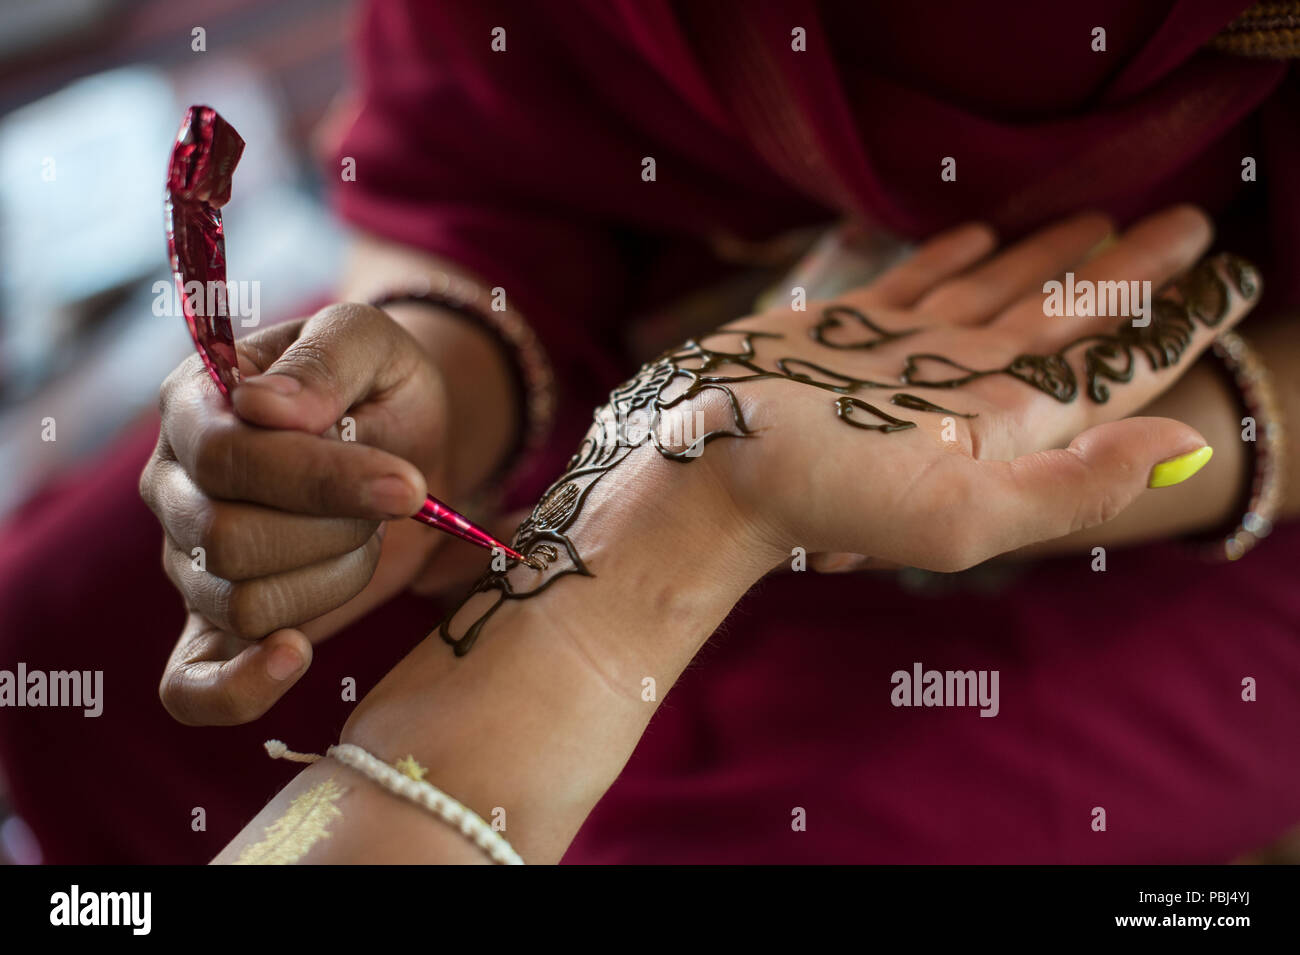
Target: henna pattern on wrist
(694, 367)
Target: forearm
(541, 716)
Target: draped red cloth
(1119, 690)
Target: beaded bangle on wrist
(517, 341)
(1259, 401)
(407, 781)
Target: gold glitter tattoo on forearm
(305, 823)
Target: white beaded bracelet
(470, 824)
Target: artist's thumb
(343, 353)
(202, 686)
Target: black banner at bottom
(129, 905)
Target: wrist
(541, 716)
(670, 552)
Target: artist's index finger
(230, 460)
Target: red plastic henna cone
(203, 159)
(439, 515)
(199, 177)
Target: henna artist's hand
(993, 424)
(288, 516)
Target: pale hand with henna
(1026, 446)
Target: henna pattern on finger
(904, 400)
(1202, 295)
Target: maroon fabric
(1118, 689)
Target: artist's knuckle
(245, 611)
(165, 397)
(381, 334)
(363, 531)
(221, 534)
(167, 695)
(368, 316)
(214, 454)
(174, 696)
(311, 361)
(170, 560)
(148, 483)
(372, 550)
(368, 554)
(357, 320)
(180, 378)
(351, 574)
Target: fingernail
(388, 495)
(280, 384)
(1179, 469)
(282, 663)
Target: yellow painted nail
(1178, 470)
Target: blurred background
(92, 93)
